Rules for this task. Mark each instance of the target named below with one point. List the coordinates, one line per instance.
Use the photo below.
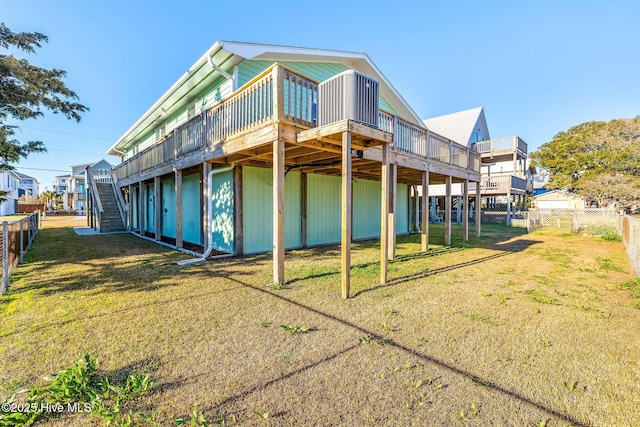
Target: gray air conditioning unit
(348, 95)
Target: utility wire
(68, 133)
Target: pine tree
(25, 91)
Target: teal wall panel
(134, 201)
(222, 227)
(402, 209)
(324, 216)
(168, 207)
(257, 196)
(366, 209)
(150, 208)
(191, 209)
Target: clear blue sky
(537, 67)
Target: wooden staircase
(111, 219)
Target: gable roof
(24, 177)
(225, 55)
(460, 126)
(563, 192)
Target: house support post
(157, 207)
(238, 211)
(206, 168)
(447, 211)
(465, 210)
(424, 241)
(178, 191)
(393, 182)
(434, 208)
(278, 211)
(416, 208)
(478, 209)
(346, 214)
(142, 209)
(458, 209)
(303, 209)
(384, 216)
(509, 206)
(129, 208)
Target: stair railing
(122, 206)
(96, 204)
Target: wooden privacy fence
(15, 240)
(631, 239)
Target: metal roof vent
(348, 95)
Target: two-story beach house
(260, 148)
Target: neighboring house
(28, 186)
(9, 180)
(540, 181)
(559, 199)
(72, 187)
(507, 176)
(262, 148)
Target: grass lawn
(507, 329)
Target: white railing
(501, 145)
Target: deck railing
(502, 183)
(256, 105)
(501, 145)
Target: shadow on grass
(375, 336)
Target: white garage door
(553, 204)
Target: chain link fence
(631, 239)
(595, 222)
(15, 241)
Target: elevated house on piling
(505, 173)
(260, 148)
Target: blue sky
(537, 68)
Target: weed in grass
(611, 236)
(196, 419)
(511, 283)
(277, 286)
(468, 415)
(478, 382)
(391, 312)
(369, 340)
(504, 359)
(79, 386)
(541, 297)
(502, 299)
(295, 329)
(417, 401)
(486, 294)
(385, 327)
(265, 324)
(633, 286)
(420, 342)
(573, 386)
(545, 343)
(542, 423)
(636, 304)
(415, 383)
(507, 271)
(482, 319)
(607, 264)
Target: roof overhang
(226, 55)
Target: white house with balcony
(9, 180)
(72, 186)
(28, 186)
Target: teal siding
(134, 201)
(366, 209)
(402, 209)
(257, 196)
(220, 90)
(191, 209)
(324, 216)
(168, 207)
(150, 209)
(248, 69)
(384, 105)
(222, 227)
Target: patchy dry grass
(508, 329)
